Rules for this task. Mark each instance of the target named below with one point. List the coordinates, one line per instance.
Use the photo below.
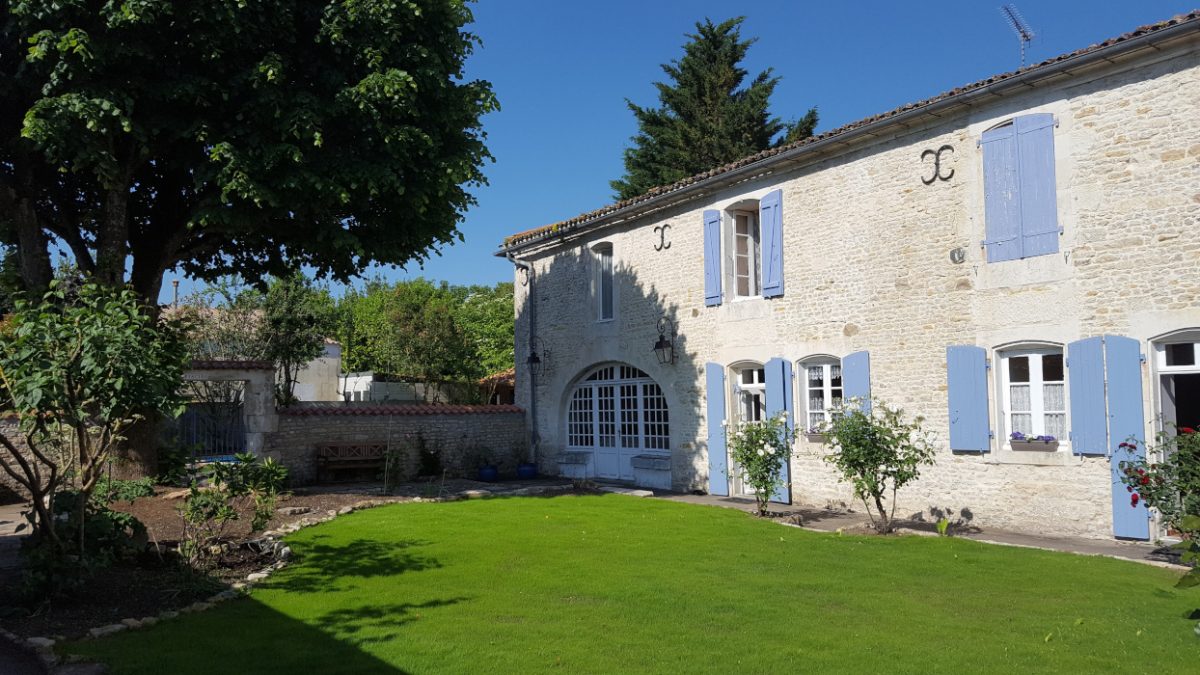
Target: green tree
(79, 368)
(296, 319)
(486, 316)
(234, 137)
(706, 117)
(425, 330)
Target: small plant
(246, 484)
(1023, 438)
(174, 465)
(943, 527)
(110, 490)
(878, 452)
(760, 450)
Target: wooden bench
(349, 457)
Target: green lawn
(619, 584)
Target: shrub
(1171, 487)
(760, 450)
(877, 452)
(110, 490)
(246, 484)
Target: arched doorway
(616, 412)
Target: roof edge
(996, 85)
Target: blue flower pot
(488, 474)
(526, 471)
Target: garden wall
(461, 436)
(10, 491)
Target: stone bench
(652, 471)
(574, 464)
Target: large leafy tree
(432, 331)
(706, 117)
(234, 137)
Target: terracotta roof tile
(573, 224)
(355, 409)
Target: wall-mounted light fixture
(538, 357)
(664, 348)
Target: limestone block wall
(10, 490)
(867, 267)
(462, 436)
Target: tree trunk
(137, 455)
(112, 242)
(31, 248)
(885, 523)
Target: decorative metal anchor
(661, 231)
(937, 165)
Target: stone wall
(10, 490)
(462, 436)
(867, 267)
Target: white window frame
(1037, 410)
(827, 364)
(600, 253)
(749, 211)
(601, 399)
(743, 393)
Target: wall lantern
(664, 348)
(538, 356)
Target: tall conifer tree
(706, 118)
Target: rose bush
(760, 451)
(1169, 483)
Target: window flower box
(815, 435)
(1020, 442)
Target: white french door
(616, 413)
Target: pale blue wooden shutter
(712, 258)
(770, 218)
(967, 391)
(718, 461)
(1123, 361)
(1001, 194)
(856, 378)
(1039, 204)
(1085, 379)
(779, 400)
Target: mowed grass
(611, 583)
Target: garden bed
(157, 581)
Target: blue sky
(562, 71)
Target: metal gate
(212, 430)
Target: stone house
(1015, 256)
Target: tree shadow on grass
(380, 621)
(322, 566)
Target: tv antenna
(1022, 29)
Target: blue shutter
(1039, 204)
(1123, 359)
(967, 391)
(1085, 379)
(779, 400)
(718, 460)
(712, 258)
(770, 219)
(1001, 194)
(856, 378)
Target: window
(822, 389)
(604, 281)
(750, 392)
(618, 406)
(1034, 393)
(746, 254)
(1020, 204)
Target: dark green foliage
(173, 465)
(110, 490)
(235, 137)
(706, 117)
(107, 536)
(428, 331)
